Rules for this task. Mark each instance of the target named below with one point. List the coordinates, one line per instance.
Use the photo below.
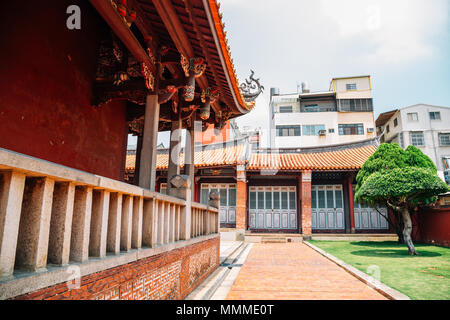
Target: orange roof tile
(208, 157)
(346, 159)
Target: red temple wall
(46, 88)
(432, 226)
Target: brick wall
(168, 276)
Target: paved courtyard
(293, 271)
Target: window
(351, 86)
(400, 140)
(288, 131)
(417, 139)
(286, 109)
(360, 105)
(444, 139)
(312, 130)
(388, 129)
(395, 122)
(330, 130)
(413, 116)
(435, 115)
(351, 129)
(311, 108)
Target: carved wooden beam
(121, 29)
(134, 91)
(176, 31)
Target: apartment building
(343, 114)
(424, 126)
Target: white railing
(54, 214)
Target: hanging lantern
(189, 89)
(205, 110)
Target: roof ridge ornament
(251, 88)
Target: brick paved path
(293, 271)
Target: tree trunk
(407, 229)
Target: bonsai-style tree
(401, 180)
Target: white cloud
(398, 31)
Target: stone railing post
(180, 187)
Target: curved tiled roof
(208, 157)
(350, 156)
(344, 159)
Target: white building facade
(425, 126)
(343, 114)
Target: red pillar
(241, 201)
(306, 204)
(351, 204)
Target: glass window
(413, 116)
(313, 199)
(205, 196)
(417, 139)
(321, 197)
(358, 105)
(223, 197)
(312, 130)
(395, 122)
(444, 139)
(276, 200)
(292, 201)
(338, 195)
(284, 200)
(330, 130)
(286, 109)
(260, 200)
(330, 199)
(351, 129)
(288, 131)
(232, 197)
(311, 108)
(435, 115)
(252, 200)
(388, 129)
(268, 200)
(351, 86)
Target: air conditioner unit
(322, 132)
(370, 130)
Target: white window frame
(413, 138)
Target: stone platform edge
(385, 290)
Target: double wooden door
(273, 208)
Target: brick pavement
(293, 271)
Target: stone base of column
(240, 234)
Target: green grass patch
(422, 277)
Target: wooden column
(61, 223)
(351, 204)
(306, 204)
(137, 164)
(189, 155)
(11, 194)
(147, 165)
(174, 152)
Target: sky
(404, 45)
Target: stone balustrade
(55, 215)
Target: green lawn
(423, 277)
